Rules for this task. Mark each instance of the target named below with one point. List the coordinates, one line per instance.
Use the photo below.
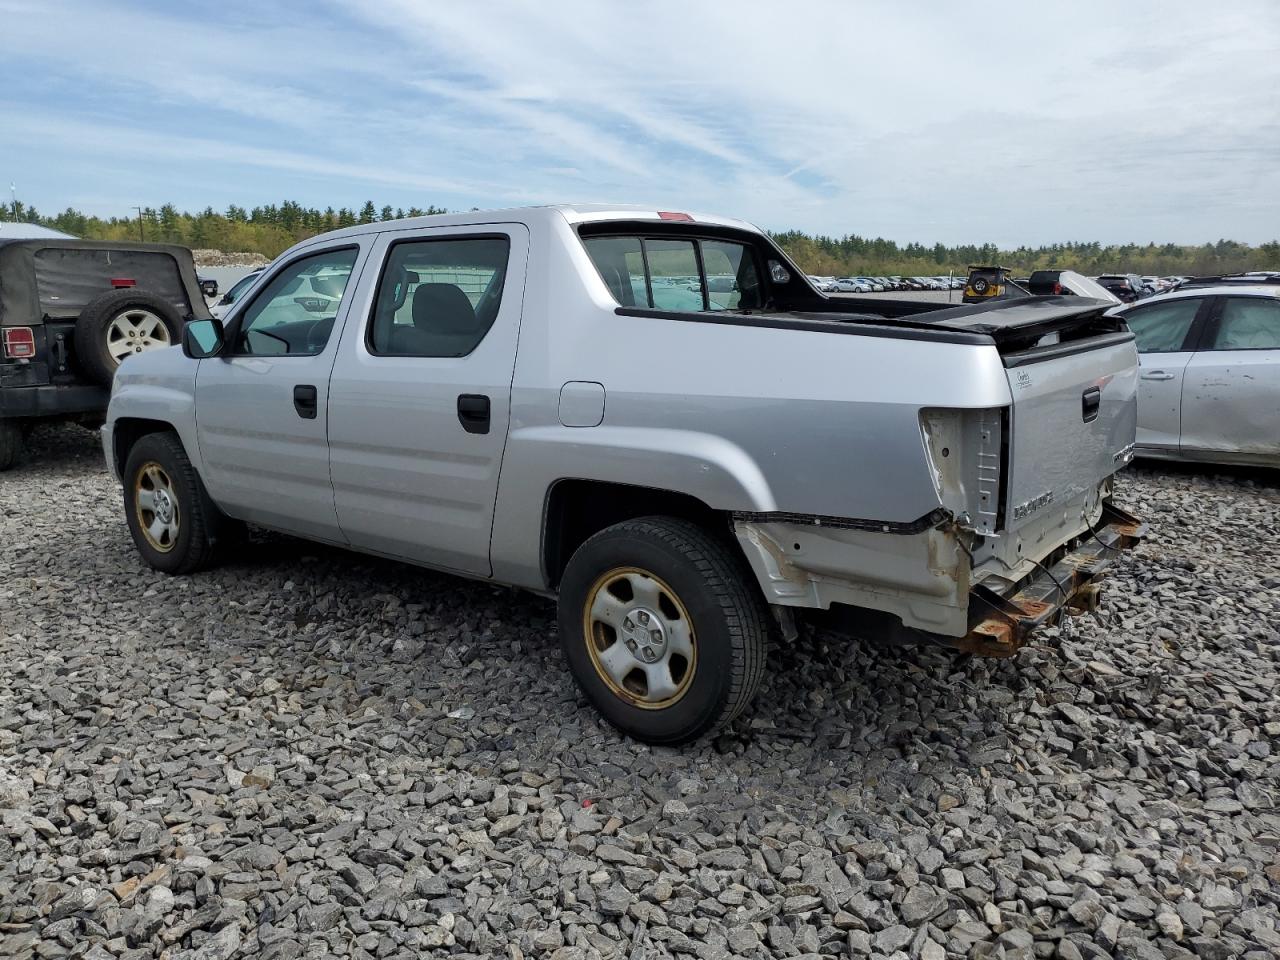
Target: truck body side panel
(752, 419)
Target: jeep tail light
(672, 215)
(119, 282)
(19, 343)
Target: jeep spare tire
(119, 324)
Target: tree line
(268, 230)
(271, 229)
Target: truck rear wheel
(10, 443)
(174, 524)
(662, 628)
(119, 324)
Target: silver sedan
(1209, 376)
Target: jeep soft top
(71, 311)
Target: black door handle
(473, 412)
(304, 401)
(1090, 403)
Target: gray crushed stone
(307, 753)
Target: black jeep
(70, 312)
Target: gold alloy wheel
(640, 638)
(156, 505)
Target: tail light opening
(19, 343)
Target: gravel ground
(309, 753)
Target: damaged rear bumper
(928, 583)
(1000, 624)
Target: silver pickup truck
(655, 418)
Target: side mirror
(202, 339)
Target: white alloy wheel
(134, 330)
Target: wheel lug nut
(655, 636)
(642, 617)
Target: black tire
(698, 576)
(95, 334)
(980, 285)
(10, 444)
(199, 528)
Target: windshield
(240, 286)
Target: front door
(261, 406)
(420, 397)
(1231, 398)
(1164, 333)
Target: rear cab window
(677, 274)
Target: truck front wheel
(662, 628)
(174, 524)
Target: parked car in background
(1229, 279)
(851, 285)
(990, 283)
(233, 294)
(946, 479)
(70, 312)
(1127, 287)
(1067, 283)
(1209, 376)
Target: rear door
(1231, 397)
(420, 397)
(1166, 333)
(261, 406)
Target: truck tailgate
(1072, 422)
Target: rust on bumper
(1000, 625)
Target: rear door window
(683, 275)
(1163, 327)
(1248, 323)
(439, 297)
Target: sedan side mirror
(202, 339)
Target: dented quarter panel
(922, 578)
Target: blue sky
(1136, 121)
